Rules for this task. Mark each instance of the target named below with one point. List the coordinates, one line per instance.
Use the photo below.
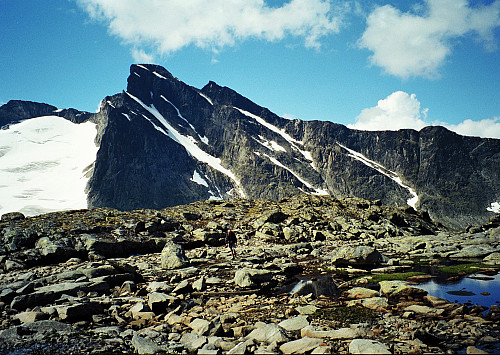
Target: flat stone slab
(367, 346)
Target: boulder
(173, 257)
(357, 256)
(295, 323)
(492, 259)
(474, 251)
(158, 302)
(200, 284)
(47, 294)
(28, 317)
(238, 349)
(12, 216)
(367, 346)
(79, 311)
(400, 289)
(342, 333)
(54, 250)
(268, 333)
(361, 292)
(307, 309)
(158, 286)
(193, 341)
(17, 238)
(145, 345)
(248, 277)
(425, 311)
(375, 303)
(300, 346)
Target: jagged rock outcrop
(164, 143)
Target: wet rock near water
(146, 282)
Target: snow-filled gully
(188, 142)
(384, 171)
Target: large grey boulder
(18, 238)
(47, 294)
(357, 256)
(55, 250)
(248, 277)
(144, 345)
(398, 288)
(268, 333)
(79, 311)
(474, 251)
(173, 256)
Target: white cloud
(417, 44)
(399, 110)
(170, 25)
(487, 128)
(140, 56)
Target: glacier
(43, 165)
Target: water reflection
(476, 290)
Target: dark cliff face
(16, 111)
(165, 143)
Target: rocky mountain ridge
(164, 143)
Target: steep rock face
(164, 143)
(17, 110)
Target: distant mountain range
(162, 143)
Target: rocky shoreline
(306, 280)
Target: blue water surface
(468, 284)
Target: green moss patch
(465, 268)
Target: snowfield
(43, 162)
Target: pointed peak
(153, 68)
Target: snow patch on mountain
(206, 98)
(494, 207)
(189, 143)
(317, 191)
(293, 142)
(197, 178)
(159, 75)
(203, 139)
(381, 169)
(271, 127)
(43, 163)
(271, 145)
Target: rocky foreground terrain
(304, 281)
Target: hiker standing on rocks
(231, 242)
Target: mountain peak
(164, 143)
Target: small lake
(467, 290)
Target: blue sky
(380, 64)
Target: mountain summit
(163, 143)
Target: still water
(467, 290)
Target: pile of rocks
(104, 281)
